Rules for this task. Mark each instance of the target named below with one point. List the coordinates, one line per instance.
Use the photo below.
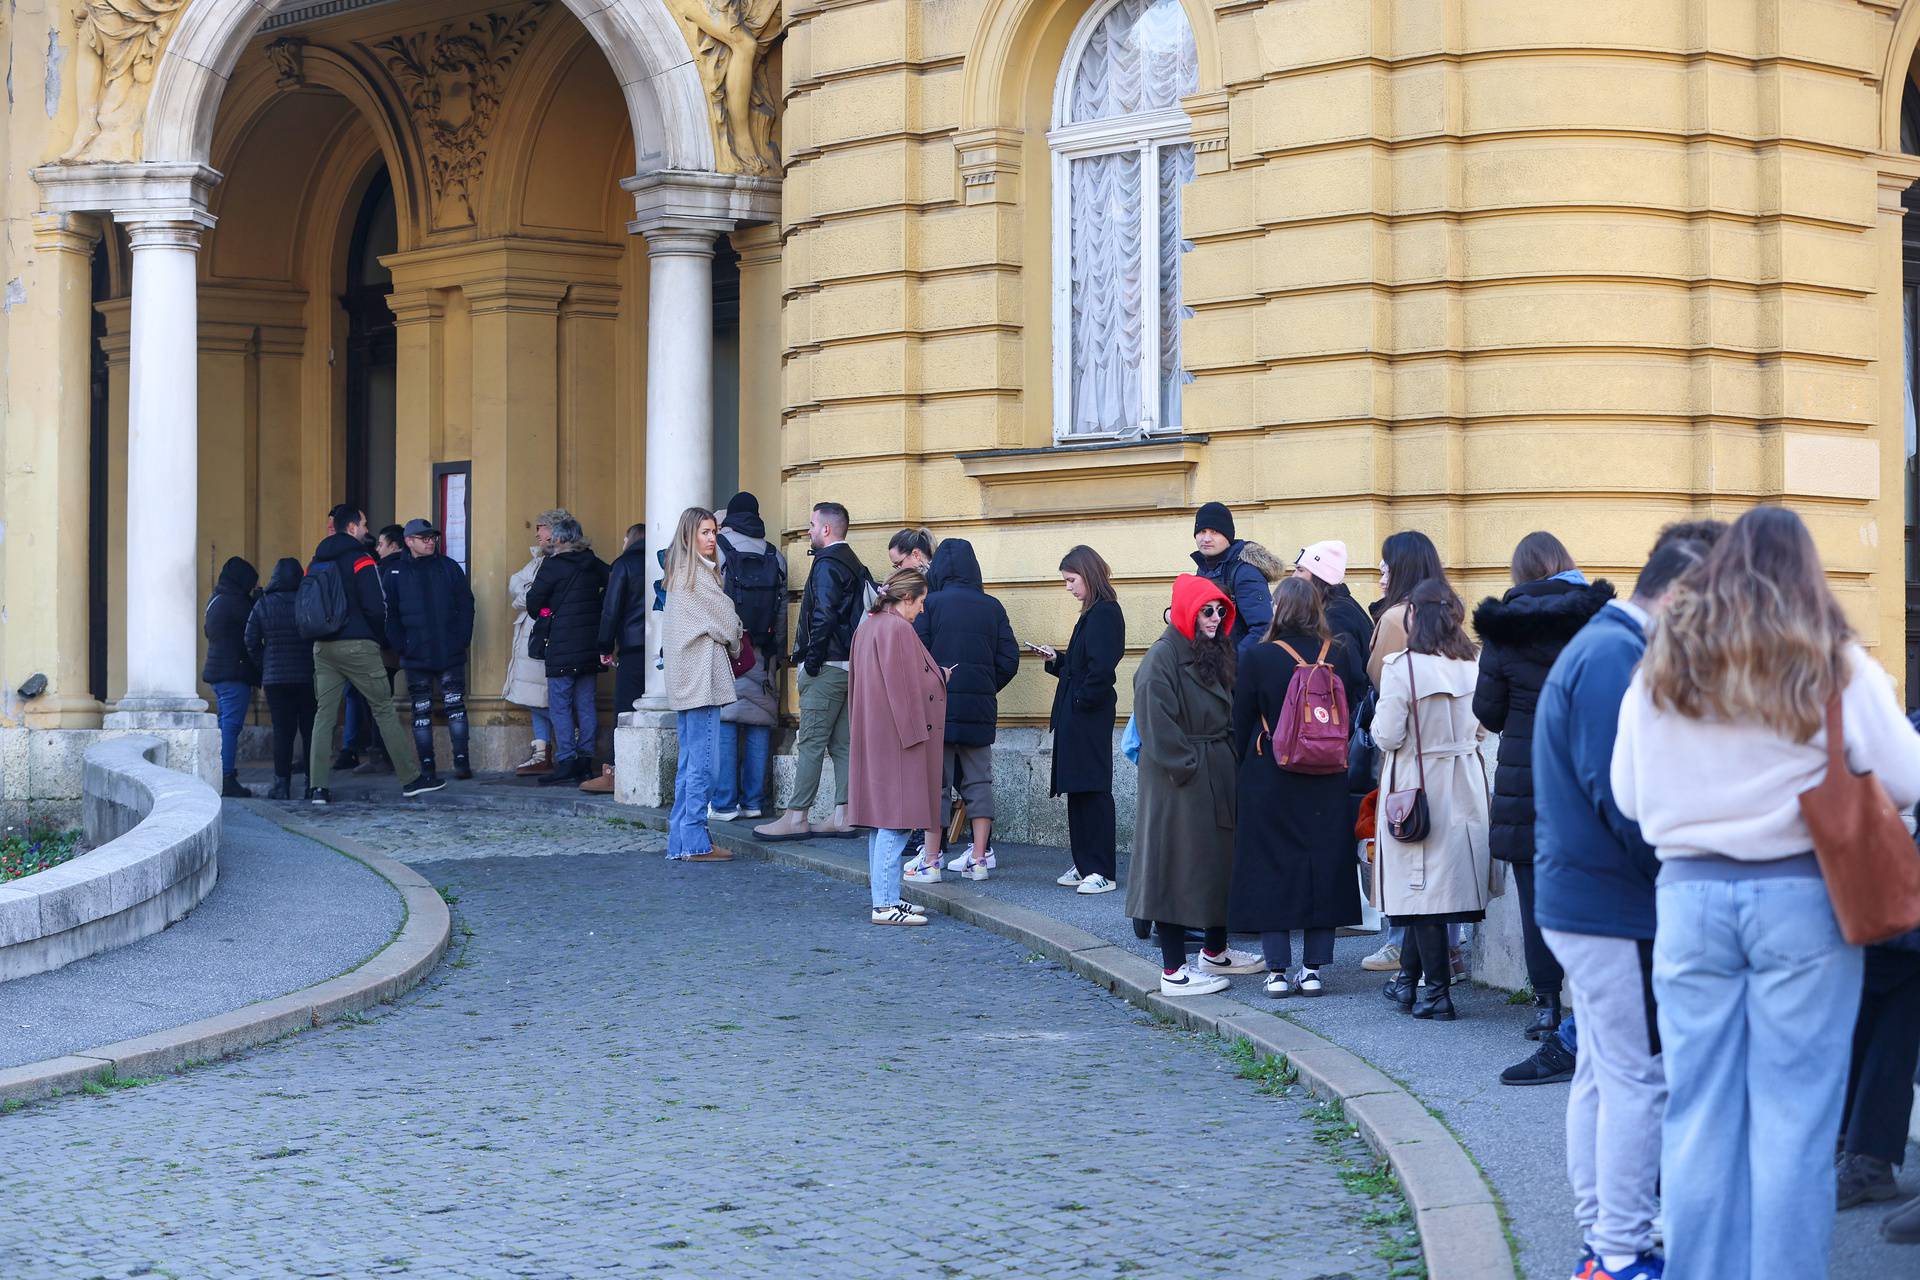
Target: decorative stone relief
(119, 42)
(453, 80)
(288, 56)
(731, 39)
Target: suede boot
(791, 825)
(1548, 1020)
(230, 788)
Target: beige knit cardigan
(700, 634)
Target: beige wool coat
(1450, 871)
(526, 677)
(699, 637)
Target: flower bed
(37, 848)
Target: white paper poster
(455, 506)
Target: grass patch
(36, 848)
(112, 1082)
(1523, 996)
(1271, 1073)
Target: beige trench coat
(1451, 870)
(526, 678)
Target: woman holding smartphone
(1084, 706)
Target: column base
(646, 757)
(154, 704)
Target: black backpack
(753, 584)
(320, 602)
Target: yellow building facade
(1030, 272)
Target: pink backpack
(1312, 737)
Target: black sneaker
(1863, 1178)
(461, 769)
(421, 785)
(1550, 1064)
(319, 796)
(282, 789)
(346, 760)
(230, 788)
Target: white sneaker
(750, 813)
(723, 815)
(1385, 960)
(975, 870)
(1097, 883)
(899, 914)
(1188, 983)
(1070, 878)
(1307, 982)
(1278, 984)
(922, 870)
(1229, 961)
(960, 863)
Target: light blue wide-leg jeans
(692, 782)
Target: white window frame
(1146, 134)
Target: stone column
(162, 476)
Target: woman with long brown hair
(1084, 706)
(1424, 723)
(699, 637)
(1722, 730)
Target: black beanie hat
(742, 501)
(1214, 516)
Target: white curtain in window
(1140, 58)
(1109, 329)
(1176, 170)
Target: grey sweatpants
(1619, 1096)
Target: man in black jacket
(430, 626)
(967, 632)
(830, 608)
(623, 621)
(351, 656)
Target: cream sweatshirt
(1733, 788)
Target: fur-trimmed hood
(1271, 567)
(1546, 614)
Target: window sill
(1070, 479)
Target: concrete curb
(393, 970)
(1462, 1235)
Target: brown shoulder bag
(1405, 812)
(1868, 860)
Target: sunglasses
(1213, 611)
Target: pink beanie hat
(1326, 561)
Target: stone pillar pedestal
(646, 753)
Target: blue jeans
(883, 865)
(232, 697)
(692, 782)
(740, 781)
(357, 735)
(542, 725)
(575, 718)
(1757, 994)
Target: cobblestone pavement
(629, 1066)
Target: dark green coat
(1182, 868)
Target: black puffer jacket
(830, 607)
(1521, 634)
(1354, 629)
(274, 643)
(570, 584)
(623, 610)
(429, 612)
(226, 625)
(965, 628)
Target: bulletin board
(453, 510)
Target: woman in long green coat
(1182, 868)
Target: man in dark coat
(389, 551)
(1520, 636)
(285, 660)
(430, 626)
(567, 592)
(351, 656)
(831, 605)
(967, 632)
(623, 621)
(1244, 571)
(228, 669)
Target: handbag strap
(1836, 737)
(1413, 713)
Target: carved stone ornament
(288, 56)
(731, 39)
(119, 42)
(453, 80)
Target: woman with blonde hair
(699, 636)
(897, 718)
(1723, 728)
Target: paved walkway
(257, 935)
(628, 1065)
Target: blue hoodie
(1593, 873)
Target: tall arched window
(1121, 154)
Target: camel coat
(526, 677)
(1449, 873)
(897, 720)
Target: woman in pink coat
(897, 716)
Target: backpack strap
(1292, 653)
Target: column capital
(680, 242)
(669, 200)
(139, 192)
(758, 246)
(163, 233)
(515, 294)
(65, 233)
(417, 306)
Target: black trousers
(453, 696)
(1886, 1044)
(1543, 969)
(1090, 833)
(629, 681)
(1173, 943)
(291, 706)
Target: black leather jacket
(623, 610)
(830, 606)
